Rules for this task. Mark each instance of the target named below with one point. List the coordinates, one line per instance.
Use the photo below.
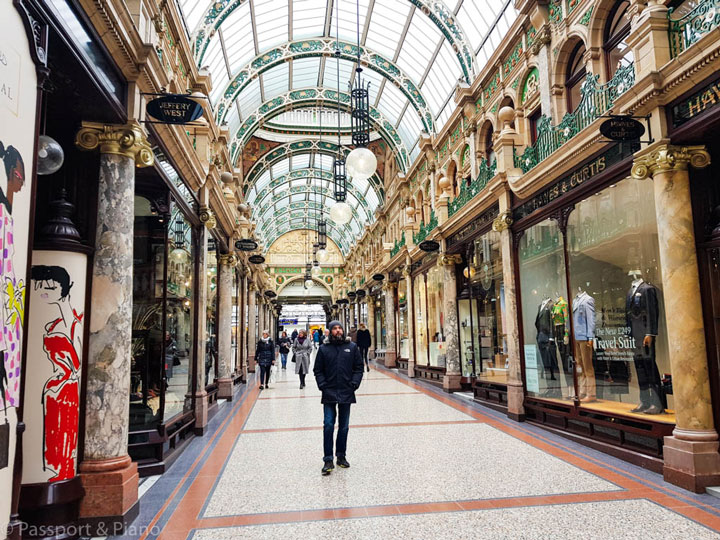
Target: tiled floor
(424, 465)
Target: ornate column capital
(389, 285)
(667, 157)
(207, 217)
(502, 222)
(128, 140)
(228, 259)
(449, 260)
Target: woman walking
(284, 344)
(302, 347)
(265, 357)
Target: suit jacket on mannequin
(641, 308)
(543, 320)
(583, 307)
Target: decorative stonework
(207, 217)
(667, 157)
(228, 259)
(502, 222)
(128, 140)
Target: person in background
(294, 335)
(284, 344)
(353, 334)
(338, 372)
(363, 342)
(302, 348)
(316, 337)
(265, 357)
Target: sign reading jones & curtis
(174, 109)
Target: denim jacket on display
(583, 307)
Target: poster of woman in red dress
(61, 392)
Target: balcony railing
(425, 229)
(397, 246)
(595, 101)
(691, 27)
(469, 190)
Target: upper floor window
(617, 30)
(489, 149)
(575, 76)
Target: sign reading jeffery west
(701, 101)
(174, 109)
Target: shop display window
(403, 320)
(380, 328)
(602, 335)
(421, 321)
(211, 282)
(436, 318)
(481, 311)
(179, 314)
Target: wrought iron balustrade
(397, 246)
(596, 99)
(689, 28)
(469, 190)
(425, 228)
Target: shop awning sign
(429, 245)
(256, 259)
(174, 109)
(246, 244)
(622, 128)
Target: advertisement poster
(532, 374)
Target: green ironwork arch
(441, 16)
(320, 47)
(310, 97)
(303, 147)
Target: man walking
(363, 342)
(338, 371)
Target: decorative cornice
(128, 140)
(542, 38)
(502, 222)
(666, 157)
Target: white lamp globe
(341, 213)
(308, 283)
(316, 270)
(361, 164)
(322, 255)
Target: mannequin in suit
(583, 307)
(546, 345)
(641, 307)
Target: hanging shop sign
(246, 244)
(352, 295)
(378, 277)
(256, 259)
(622, 128)
(429, 245)
(361, 293)
(703, 100)
(270, 294)
(615, 154)
(343, 301)
(174, 109)
(285, 322)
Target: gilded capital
(228, 259)
(502, 222)
(449, 260)
(667, 157)
(128, 140)
(207, 217)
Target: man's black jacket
(338, 371)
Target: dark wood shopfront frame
(430, 373)
(589, 427)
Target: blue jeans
(331, 411)
(283, 359)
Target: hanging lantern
(50, 155)
(361, 163)
(322, 255)
(341, 213)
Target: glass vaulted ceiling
(415, 52)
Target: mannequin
(584, 326)
(642, 321)
(561, 333)
(546, 345)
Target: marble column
(390, 352)
(515, 395)
(352, 321)
(242, 333)
(371, 324)
(198, 389)
(252, 325)
(691, 453)
(453, 372)
(108, 475)
(226, 263)
(411, 321)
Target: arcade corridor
(257, 475)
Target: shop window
(211, 282)
(618, 340)
(575, 76)
(481, 310)
(421, 320)
(436, 317)
(617, 30)
(403, 321)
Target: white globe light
(322, 255)
(361, 163)
(341, 213)
(316, 270)
(308, 283)
(50, 155)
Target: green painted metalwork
(596, 100)
(690, 28)
(425, 229)
(397, 246)
(469, 191)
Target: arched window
(575, 76)
(489, 149)
(617, 30)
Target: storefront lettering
(696, 104)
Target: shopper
(294, 335)
(353, 334)
(316, 337)
(284, 344)
(338, 372)
(363, 342)
(265, 357)
(302, 348)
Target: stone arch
(301, 277)
(560, 67)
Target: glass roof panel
(251, 98)
(386, 25)
(271, 22)
(419, 46)
(301, 161)
(394, 101)
(238, 36)
(193, 11)
(275, 81)
(280, 168)
(308, 18)
(305, 72)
